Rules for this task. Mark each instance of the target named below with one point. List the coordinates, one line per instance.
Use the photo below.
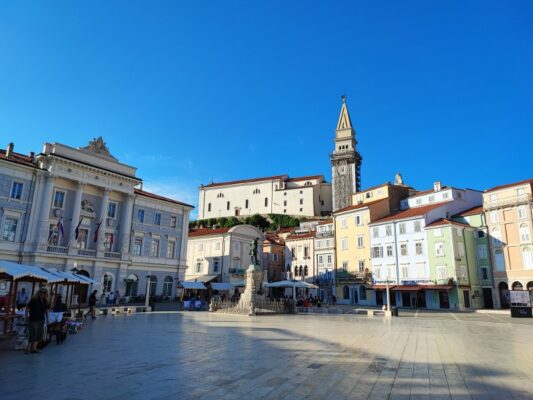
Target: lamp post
(388, 311)
(147, 299)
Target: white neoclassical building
(308, 196)
(81, 209)
(221, 254)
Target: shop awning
(206, 278)
(20, 271)
(193, 285)
(221, 286)
(294, 283)
(408, 288)
(438, 287)
(380, 287)
(238, 284)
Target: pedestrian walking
(92, 305)
(36, 314)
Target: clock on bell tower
(345, 161)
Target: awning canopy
(205, 278)
(408, 288)
(380, 287)
(290, 284)
(21, 271)
(238, 284)
(221, 286)
(193, 285)
(438, 287)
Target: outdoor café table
(8, 321)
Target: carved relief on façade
(98, 146)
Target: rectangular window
(16, 190)
(360, 242)
(361, 265)
(227, 205)
(59, 199)
(217, 246)
(306, 251)
(329, 258)
(417, 226)
(112, 210)
(419, 249)
(484, 273)
(421, 270)
(431, 199)
(344, 244)
(358, 220)
(108, 241)
(246, 203)
(157, 219)
(266, 202)
(285, 203)
(301, 201)
(209, 207)
(198, 267)
(345, 265)
(388, 230)
(343, 223)
(522, 213)
(138, 247)
(154, 249)
(402, 228)
(439, 249)
(375, 232)
(493, 198)
(405, 271)
(403, 249)
(389, 250)
(418, 202)
(494, 217)
(462, 271)
(437, 232)
(81, 243)
(215, 266)
(461, 249)
(200, 247)
(9, 232)
(170, 249)
(140, 215)
(173, 221)
(377, 252)
(482, 251)
(441, 272)
(53, 235)
(377, 273)
(320, 260)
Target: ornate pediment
(98, 146)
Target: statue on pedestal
(253, 251)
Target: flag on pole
(112, 236)
(60, 227)
(77, 231)
(96, 232)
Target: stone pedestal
(251, 295)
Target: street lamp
(147, 299)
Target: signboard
(520, 304)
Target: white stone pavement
(215, 356)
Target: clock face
(342, 169)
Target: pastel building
(399, 247)
(325, 258)
(508, 212)
(81, 209)
(301, 244)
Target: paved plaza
(215, 356)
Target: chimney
(9, 150)
(437, 186)
(32, 155)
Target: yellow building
(510, 226)
(352, 240)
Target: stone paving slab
(215, 356)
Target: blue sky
(194, 91)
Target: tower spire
(344, 121)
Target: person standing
(36, 312)
(22, 299)
(92, 305)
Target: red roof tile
(410, 213)
(18, 158)
(328, 221)
(444, 221)
(530, 181)
(300, 236)
(207, 231)
(157, 197)
(470, 211)
(267, 178)
(358, 206)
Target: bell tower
(345, 161)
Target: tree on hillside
(258, 221)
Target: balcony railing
(87, 252)
(57, 249)
(112, 254)
(509, 201)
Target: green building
(453, 264)
(476, 219)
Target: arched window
(527, 257)
(296, 271)
(209, 207)
(524, 233)
(266, 201)
(227, 205)
(132, 285)
(517, 286)
(496, 237)
(306, 272)
(153, 285)
(220, 195)
(107, 282)
(256, 191)
(301, 271)
(167, 286)
(346, 293)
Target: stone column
(125, 225)
(184, 236)
(44, 212)
(75, 214)
(102, 217)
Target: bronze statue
(253, 251)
